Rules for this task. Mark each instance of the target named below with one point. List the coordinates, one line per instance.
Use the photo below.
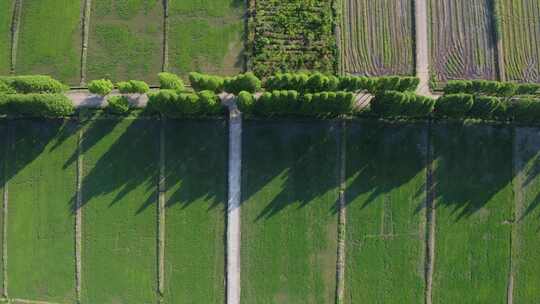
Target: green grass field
(5, 32)
(525, 241)
(289, 226)
(125, 40)
(474, 199)
(206, 36)
(40, 234)
(385, 195)
(50, 39)
(120, 212)
(196, 179)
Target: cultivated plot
(385, 196)
(292, 35)
(462, 39)
(40, 234)
(525, 241)
(206, 36)
(50, 39)
(473, 188)
(125, 40)
(120, 211)
(289, 233)
(196, 181)
(376, 37)
(5, 36)
(520, 27)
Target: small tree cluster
(376, 85)
(132, 86)
(491, 88)
(36, 105)
(401, 104)
(172, 104)
(170, 81)
(101, 86)
(118, 104)
(202, 82)
(244, 82)
(302, 82)
(34, 84)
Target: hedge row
(490, 87)
(243, 82)
(31, 84)
(172, 104)
(394, 104)
(36, 105)
(317, 82)
(290, 102)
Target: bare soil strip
(78, 219)
(85, 33)
(15, 24)
(430, 219)
(25, 301)
(342, 216)
(233, 206)
(161, 210)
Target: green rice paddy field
(290, 188)
(196, 193)
(50, 39)
(486, 189)
(386, 179)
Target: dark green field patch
(207, 36)
(3, 175)
(40, 234)
(6, 12)
(125, 40)
(473, 176)
(289, 233)
(120, 211)
(385, 194)
(525, 240)
(196, 179)
(50, 39)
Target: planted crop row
(521, 39)
(462, 40)
(377, 37)
(292, 35)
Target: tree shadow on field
(128, 158)
(24, 140)
(299, 158)
(196, 153)
(382, 157)
(527, 147)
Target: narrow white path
(233, 205)
(422, 48)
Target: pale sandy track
(422, 50)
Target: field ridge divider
(161, 209)
(27, 301)
(78, 217)
(430, 217)
(86, 11)
(165, 58)
(233, 284)
(15, 25)
(421, 46)
(342, 215)
(5, 201)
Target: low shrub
(170, 81)
(486, 107)
(172, 104)
(36, 105)
(101, 86)
(245, 102)
(278, 103)
(490, 87)
(303, 82)
(132, 86)
(454, 105)
(244, 82)
(525, 109)
(6, 89)
(118, 104)
(34, 84)
(528, 89)
(327, 103)
(398, 104)
(202, 82)
(376, 85)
